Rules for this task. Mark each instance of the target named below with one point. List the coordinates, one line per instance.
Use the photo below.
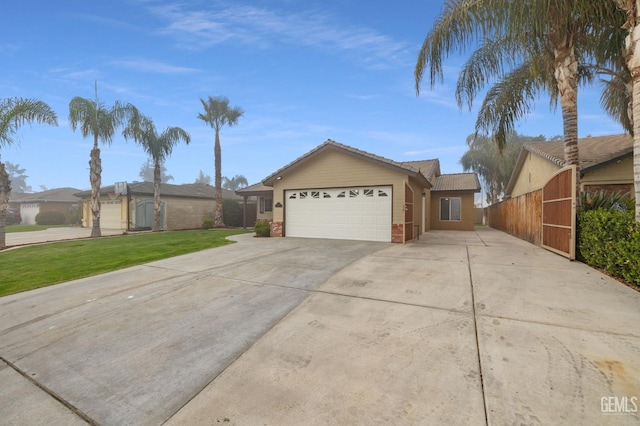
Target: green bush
(50, 217)
(610, 240)
(263, 228)
(232, 213)
(607, 200)
(208, 223)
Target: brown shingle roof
(58, 195)
(457, 182)
(593, 150)
(255, 189)
(429, 168)
(189, 190)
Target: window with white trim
(450, 209)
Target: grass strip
(31, 267)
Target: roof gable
(333, 145)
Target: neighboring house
(606, 162)
(129, 206)
(336, 191)
(62, 200)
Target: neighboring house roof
(58, 195)
(594, 152)
(330, 144)
(457, 182)
(255, 189)
(189, 190)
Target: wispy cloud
(200, 29)
(147, 65)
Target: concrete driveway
(457, 328)
(53, 234)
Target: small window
(326, 195)
(382, 193)
(353, 193)
(266, 205)
(450, 209)
(315, 194)
(303, 195)
(341, 195)
(292, 196)
(368, 192)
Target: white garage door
(339, 213)
(111, 214)
(28, 213)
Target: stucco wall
(186, 213)
(467, 211)
(616, 173)
(332, 169)
(535, 173)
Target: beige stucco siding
(621, 172)
(332, 169)
(535, 173)
(467, 217)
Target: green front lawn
(32, 267)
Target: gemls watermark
(619, 405)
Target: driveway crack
(475, 329)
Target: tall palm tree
(217, 114)
(14, 112)
(158, 146)
(97, 120)
(632, 59)
(546, 39)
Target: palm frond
(15, 112)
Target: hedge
(610, 240)
(50, 217)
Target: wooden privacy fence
(520, 217)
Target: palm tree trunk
(95, 173)
(156, 196)
(566, 71)
(634, 66)
(5, 192)
(218, 218)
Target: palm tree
(632, 59)
(217, 114)
(14, 112)
(158, 146)
(97, 120)
(235, 183)
(541, 41)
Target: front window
(450, 209)
(266, 205)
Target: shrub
(610, 240)
(232, 213)
(606, 200)
(50, 217)
(263, 228)
(208, 223)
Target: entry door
(362, 213)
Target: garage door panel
(339, 213)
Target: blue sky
(303, 71)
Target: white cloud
(264, 28)
(146, 65)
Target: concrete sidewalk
(459, 328)
(53, 234)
